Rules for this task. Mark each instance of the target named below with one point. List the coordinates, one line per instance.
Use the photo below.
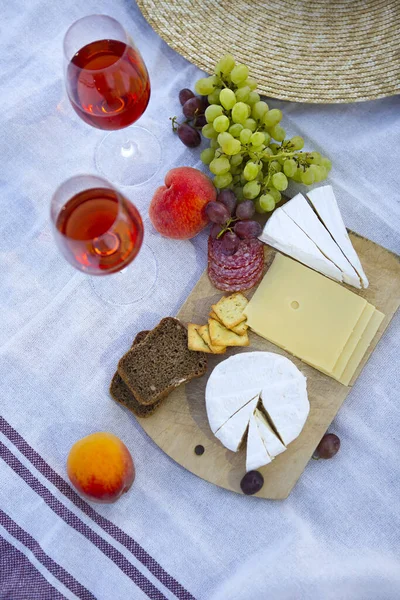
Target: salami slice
(241, 271)
(227, 286)
(247, 252)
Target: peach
(100, 467)
(177, 208)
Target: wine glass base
(129, 156)
(130, 285)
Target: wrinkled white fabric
(338, 534)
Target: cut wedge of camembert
(235, 404)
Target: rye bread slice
(161, 362)
(122, 394)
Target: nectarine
(177, 209)
(100, 467)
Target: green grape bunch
(248, 151)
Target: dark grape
(200, 121)
(228, 198)
(245, 210)
(204, 102)
(252, 483)
(328, 446)
(230, 243)
(248, 229)
(217, 212)
(193, 106)
(215, 230)
(185, 95)
(189, 136)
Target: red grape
(189, 136)
(192, 107)
(252, 483)
(200, 121)
(228, 198)
(245, 210)
(185, 95)
(217, 212)
(247, 229)
(328, 446)
(215, 230)
(230, 243)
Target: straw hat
(303, 50)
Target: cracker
(195, 341)
(220, 335)
(229, 309)
(239, 329)
(204, 332)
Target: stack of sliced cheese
(263, 394)
(318, 238)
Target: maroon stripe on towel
(73, 521)
(118, 534)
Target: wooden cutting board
(181, 423)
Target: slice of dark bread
(122, 394)
(161, 362)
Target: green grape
(220, 166)
(253, 98)
(250, 82)
(258, 148)
(222, 181)
(205, 86)
(272, 117)
(221, 123)
(225, 65)
(289, 167)
(236, 170)
(275, 148)
(279, 180)
(275, 166)
(297, 142)
(258, 207)
(224, 137)
(267, 138)
(297, 175)
(239, 73)
(242, 94)
(325, 162)
(207, 155)
(213, 98)
(235, 129)
(314, 157)
(278, 133)
(250, 171)
(227, 98)
(307, 177)
(251, 190)
(208, 131)
(267, 203)
(239, 193)
(232, 147)
(214, 142)
(212, 112)
(243, 179)
(257, 138)
(259, 109)
(239, 112)
(275, 194)
(250, 124)
(236, 160)
(267, 152)
(245, 136)
(319, 172)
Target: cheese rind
(256, 454)
(299, 210)
(325, 204)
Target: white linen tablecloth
(173, 535)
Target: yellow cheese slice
(304, 312)
(362, 347)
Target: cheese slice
(256, 454)
(282, 233)
(287, 408)
(362, 347)
(222, 402)
(232, 432)
(324, 202)
(304, 313)
(299, 210)
(272, 443)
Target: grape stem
(227, 226)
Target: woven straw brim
(303, 50)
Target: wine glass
(100, 233)
(109, 88)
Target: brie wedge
(282, 233)
(287, 406)
(232, 432)
(299, 210)
(272, 443)
(324, 202)
(256, 455)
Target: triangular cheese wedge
(282, 233)
(221, 405)
(256, 454)
(287, 407)
(324, 202)
(272, 443)
(232, 432)
(299, 210)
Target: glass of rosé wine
(100, 232)
(109, 88)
